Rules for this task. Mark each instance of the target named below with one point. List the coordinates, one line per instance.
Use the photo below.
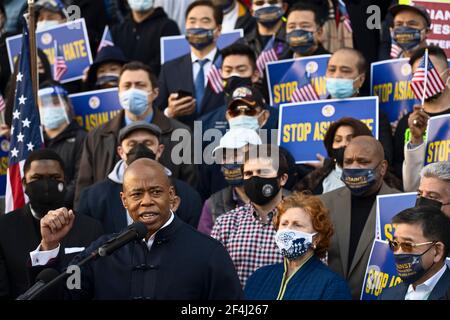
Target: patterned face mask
(292, 243)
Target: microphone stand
(94, 255)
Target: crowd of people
(238, 219)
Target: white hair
(438, 170)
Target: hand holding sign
(417, 122)
(178, 107)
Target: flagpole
(426, 78)
(33, 49)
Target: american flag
(344, 13)
(2, 104)
(25, 129)
(107, 40)
(267, 55)
(395, 51)
(305, 90)
(214, 77)
(426, 81)
(60, 66)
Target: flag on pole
(60, 66)
(426, 81)
(106, 41)
(305, 90)
(267, 55)
(2, 103)
(395, 51)
(214, 77)
(344, 13)
(25, 129)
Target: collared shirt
(250, 242)
(148, 119)
(152, 237)
(196, 66)
(423, 291)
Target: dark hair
(46, 65)
(137, 65)
(240, 49)
(432, 51)
(434, 223)
(359, 129)
(218, 14)
(268, 151)
(306, 6)
(42, 154)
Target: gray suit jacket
(339, 204)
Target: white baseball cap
(238, 138)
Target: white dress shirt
(41, 258)
(230, 19)
(423, 291)
(206, 67)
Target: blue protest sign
(390, 81)
(72, 40)
(303, 125)
(380, 273)
(173, 47)
(284, 76)
(438, 139)
(387, 207)
(95, 108)
(4, 149)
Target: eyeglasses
(407, 246)
(242, 109)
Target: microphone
(137, 230)
(44, 277)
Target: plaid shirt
(250, 243)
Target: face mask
(53, 117)
(338, 155)
(261, 190)
(200, 38)
(46, 24)
(233, 174)
(140, 5)
(410, 266)
(340, 88)
(292, 243)
(406, 38)
(359, 181)
(246, 122)
(45, 195)
(422, 201)
(270, 15)
(134, 100)
(236, 81)
(107, 81)
(300, 41)
(139, 151)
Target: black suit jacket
(439, 292)
(177, 75)
(20, 234)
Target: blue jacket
(313, 281)
(399, 291)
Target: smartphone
(183, 94)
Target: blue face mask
(233, 174)
(410, 266)
(53, 117)
(200, 38)
(246, 122)
(406, 38)
(359, 181)
(300, 41)
(340, 88)
(269, 16)
(140, 5)
(134, 100)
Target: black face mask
(261, 190)
(422, 201)
(338, 155)
(45, 195)
(235, 82)
(140, 150)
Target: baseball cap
(139, 125)
(248, 96)
(419, 9)
(238, 138)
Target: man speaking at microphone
(174, 262)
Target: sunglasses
(407, 246)
(242, 110)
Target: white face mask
(46, 24)
(292, 243)
(140, 5)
